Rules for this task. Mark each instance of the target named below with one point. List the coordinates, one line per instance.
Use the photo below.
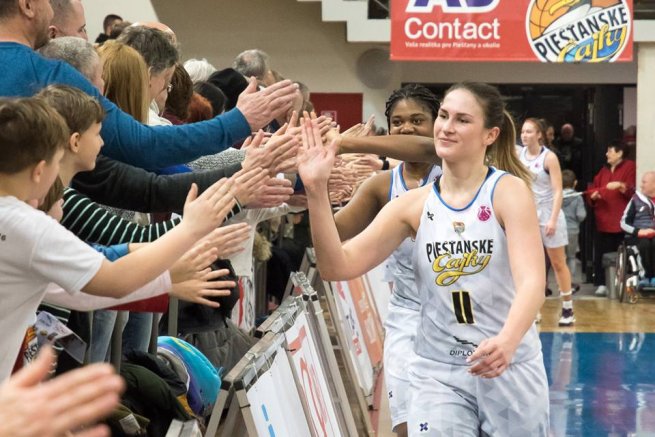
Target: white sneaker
(601, 291)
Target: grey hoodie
(574, 210)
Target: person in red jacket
(609, 194)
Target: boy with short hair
(35, 250)
(575, 213)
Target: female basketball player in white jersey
(547, 189)
(410, 110)
(478, 368)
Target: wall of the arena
(131, 10)
(305, 48)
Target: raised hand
(193, 262)
(81, 397)
(279, 149)
(245, 184)
(285, 149)
(315, 161)
(201, 289)
(194, 281)
(367, 163)
(228, 239)
(298, 200)
(254, 141)
(205, 212)
(325, 124)
(274, 193)
(261, 107)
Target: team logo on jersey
(484, 213)
(459, 227)
(423, 427)
(451, 260)
(430, 216)
(578, 30)
(452, 6)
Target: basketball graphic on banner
(543, 14)
(578, 30)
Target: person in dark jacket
(638, 222)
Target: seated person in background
(639, 222)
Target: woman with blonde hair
(478, 367)
(127, 84)
(547, 190)
(126, 79)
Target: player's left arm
(516, 212)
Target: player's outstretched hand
(491, 358)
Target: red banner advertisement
(572, 31)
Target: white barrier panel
(275, 403)
(302, 348)
(353, 331)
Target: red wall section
(348, 107)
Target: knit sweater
(609, 208)
(25, 72)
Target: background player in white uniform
(547, 189)
(490, 379)
(410, 110)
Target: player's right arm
(363, 252)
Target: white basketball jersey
(543, 191)
(400, 263)
(463, 275)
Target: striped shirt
(92, 223)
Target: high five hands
(315, 161)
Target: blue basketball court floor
(601, 384)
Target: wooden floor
(594, 314)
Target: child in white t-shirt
(35, 250)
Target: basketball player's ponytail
(503, 151)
